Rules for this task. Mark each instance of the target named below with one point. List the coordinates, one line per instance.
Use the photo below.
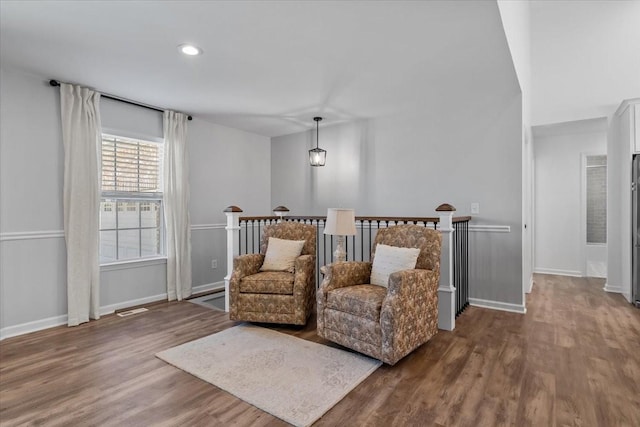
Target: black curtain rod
(115, 98)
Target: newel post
(281, 212)
(233, 246)
(446, 290)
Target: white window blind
(131, 166)
(596, 199)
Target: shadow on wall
(344, 180)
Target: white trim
(617, 290)
(497, 305)
(59, 234)
(490, 228)
(583, 209)
(28, 235)
(614, 289)
(571, 273)
(36, 325)
(529, 286)
(134, 263)
(196, 227)
(215, 286)
(50, 322)
(625, 104)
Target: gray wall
(227, 167)
(559, 240)
(408, 165)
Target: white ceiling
(268, 67)
(585, 58)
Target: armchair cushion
(389, 259)
(268, 282)
(359, 300)
(281, 254)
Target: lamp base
(340, 254)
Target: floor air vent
(132, 312)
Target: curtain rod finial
(53, 83)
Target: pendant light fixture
(317, 156)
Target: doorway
(594, 217)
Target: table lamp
(340, 222)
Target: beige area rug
(291, 378)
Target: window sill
(134, 263)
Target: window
(131, 221)
(596, 199)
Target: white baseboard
(215, 286)
(571, 273)
(36, 325)
(497, 305)
(529, 287)
(613, 288)
(617, 289)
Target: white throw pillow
(389, 259)
(281, 254)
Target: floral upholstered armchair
(278, 284)
(388, 307)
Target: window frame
(138, 197)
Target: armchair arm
(409, 314)
(304, 287)
(341, 274)
(243, 265)
(411, 284)
(246, 265)
(305, 268)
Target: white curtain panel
(176, 206)
(81, 130)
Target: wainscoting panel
(33, 276)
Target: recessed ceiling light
(189, 49)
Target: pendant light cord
(317, 119)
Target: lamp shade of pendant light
(317, 156)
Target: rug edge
(364, 376)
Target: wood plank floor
(572, 360)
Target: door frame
(583, 208)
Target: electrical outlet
(214, 263)
(475, 208)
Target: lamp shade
(317, 157)
(340, 222)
